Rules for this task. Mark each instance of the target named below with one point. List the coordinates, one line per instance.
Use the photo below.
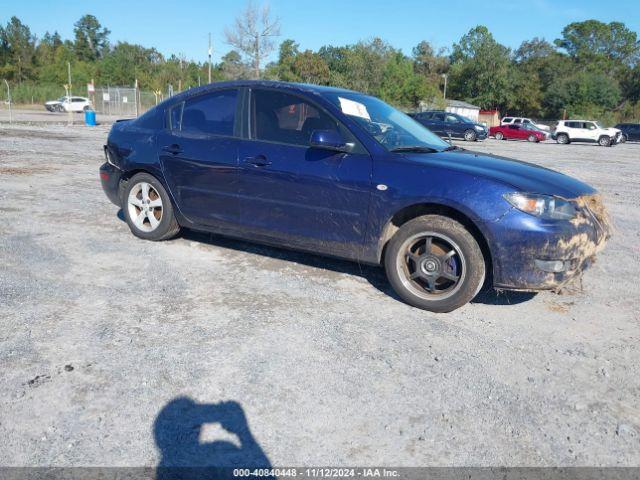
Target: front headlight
(543, 206)
(479, 128)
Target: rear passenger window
(284, 118)
(507, 120)
(212, 114)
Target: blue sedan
(336, 172)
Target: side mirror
(328, 140)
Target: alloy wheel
(145, 207)
(431, 265)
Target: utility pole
(9, 100)
(444, 75)
(210, 51)
(135, 94)
(69, 93)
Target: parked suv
(447, 124)
(69, 104)
(341, 173)
(568, 131)
(630, 131)
(523, 121)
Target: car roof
(289, 86)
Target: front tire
(623, 138)
(434, 263)
(148, 209)
(532, 138)
(604, 141)
(470, 135)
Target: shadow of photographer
(179, 429)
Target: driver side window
(284, 118)
(451, 119)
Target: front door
(453, 127)
(300, 196)
(199, 155)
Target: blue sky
(182, 27)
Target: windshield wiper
(452, 147)
(414, 148)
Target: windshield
(391, 128)
(465, 119)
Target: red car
(517, 132)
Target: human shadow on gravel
(179, 429)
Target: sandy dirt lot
(117, 351)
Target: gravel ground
(116, 351)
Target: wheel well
(126, 176)
(409, 213)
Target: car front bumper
(534, 254)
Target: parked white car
(69, 104)
(524, 121)
(568, 131)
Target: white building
(454, 106)
(463, 108)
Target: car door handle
(257, 161)
(174, 148)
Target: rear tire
(148, 209)
(562, 139)
(604, 141)
(440, 274)
(470, 135)
(499, 136)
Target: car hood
(522, 176)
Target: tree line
(592, 70)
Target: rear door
(199, 155)
(575, 130)
(301, 196)
(436, 124)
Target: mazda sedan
(340, 173)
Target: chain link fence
(123, 101)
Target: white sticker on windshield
(349, 107)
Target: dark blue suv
(451, 125)
(340, 173)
